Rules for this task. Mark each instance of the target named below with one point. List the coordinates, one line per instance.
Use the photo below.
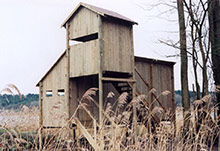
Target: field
(111, 136)
(25, 120)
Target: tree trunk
(184, 64)
(205, 85)
(214, 23)
(194, 61)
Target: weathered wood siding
(117, 47)
(84, 58)
(79, 86)
(84, 22)
(54, 107)
(144, 70)
(158, 75)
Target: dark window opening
(49, 93)
(87, 37)
(61, 92)
(113, 74)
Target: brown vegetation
(25, 120)
(117, 131)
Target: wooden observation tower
(102, 58)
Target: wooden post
(95, 126)
(100, 70)
(133, 65)
(133, 89)
(173, 103)
(100, 99)
(67, 70)
(134, 115)
(101, 43)
(152, 94)
(151, 86)
(41, 115)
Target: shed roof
(154, 61)
(100, 11)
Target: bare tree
(214, 23)
(184, 63)
(197, 35)
(197, 14)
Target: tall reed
(117, 131)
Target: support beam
(100, 100)
(153, 95)
(145, 82)
(41, 115)
(86, 134)
(118, 79)
(135, 113)
(151, 86)
(67, 72)
(133, 89)
(101, 43)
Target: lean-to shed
(103, 58)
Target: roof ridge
(100, 11)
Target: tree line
(9, 101)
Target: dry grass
(25, 120)
(18, 130)
(117, 131)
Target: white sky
(31, 38)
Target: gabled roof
(100, 11)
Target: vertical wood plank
(83, 23)
(117, 47)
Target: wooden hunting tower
(103, 58)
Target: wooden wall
(117, 47)
(84, 59)
(84, 22)
(79, 86)
(114, 47)
(116, 44)
(54, 107)
(159, 75)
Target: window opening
(87, 37)
(49, 93)
(61, 92)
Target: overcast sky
(31, 38)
